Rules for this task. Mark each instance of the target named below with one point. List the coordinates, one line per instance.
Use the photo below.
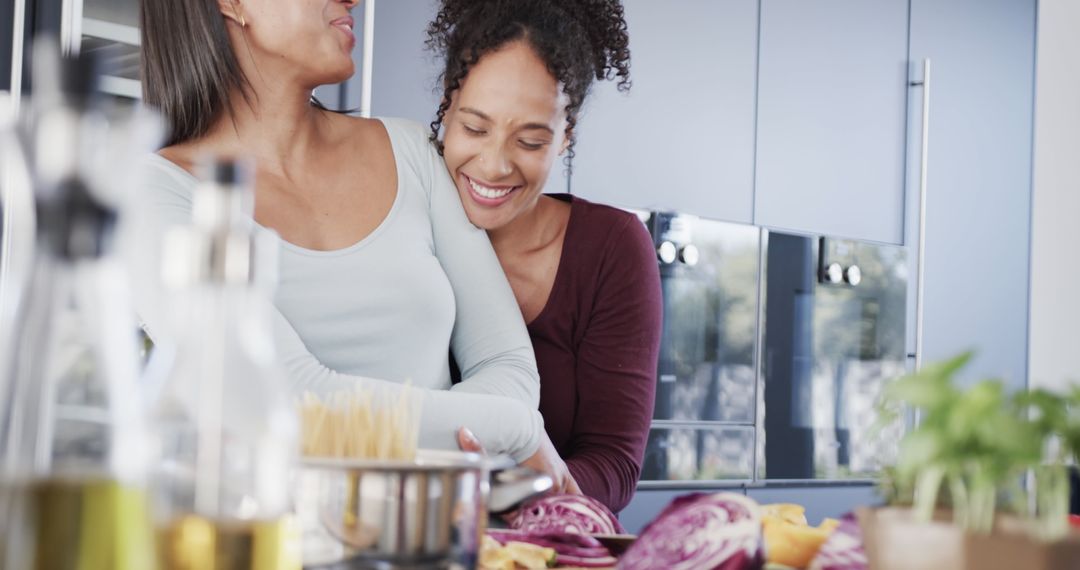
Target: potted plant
(981, 481)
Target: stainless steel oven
(774, 349)
(704, 421)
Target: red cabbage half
(701, 531)
(844, 548)
(566, 513)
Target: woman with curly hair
(516, 75)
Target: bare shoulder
(360, 146)
(360, 140)
(345, 124)
(349, 130)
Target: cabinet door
(404, 74)
(683, 138)
(978, 206)
(832, 108)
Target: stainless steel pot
(427, 513)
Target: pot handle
(513, 486)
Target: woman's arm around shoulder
(489, 340)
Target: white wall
(1054, 339)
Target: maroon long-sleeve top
(597, 341)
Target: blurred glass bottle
(16, 231)
(16, 250)
(71, 441)
(224, 421)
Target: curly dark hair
(578, 40)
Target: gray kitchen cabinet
(832, 112)
(403, 72)
(979, 170)
(683, 138)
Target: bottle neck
(72, 219)
(234, 257)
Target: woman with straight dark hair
(585, 276)
(380, 270)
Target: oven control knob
(834, 273)
(853, 275)
(689, 254)
(667, 252)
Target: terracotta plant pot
(894, 540)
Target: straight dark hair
(189, 70)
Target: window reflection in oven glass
(699, 454)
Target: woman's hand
(545, 460)
(468, 442)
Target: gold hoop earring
(243, 24)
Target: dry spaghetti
(360, 424)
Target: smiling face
(311, 40)
(504, 129)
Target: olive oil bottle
(224, 423)
(193, 542)
(72, 446)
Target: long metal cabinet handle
(17, 41)
(369, 57)
(921, 252)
